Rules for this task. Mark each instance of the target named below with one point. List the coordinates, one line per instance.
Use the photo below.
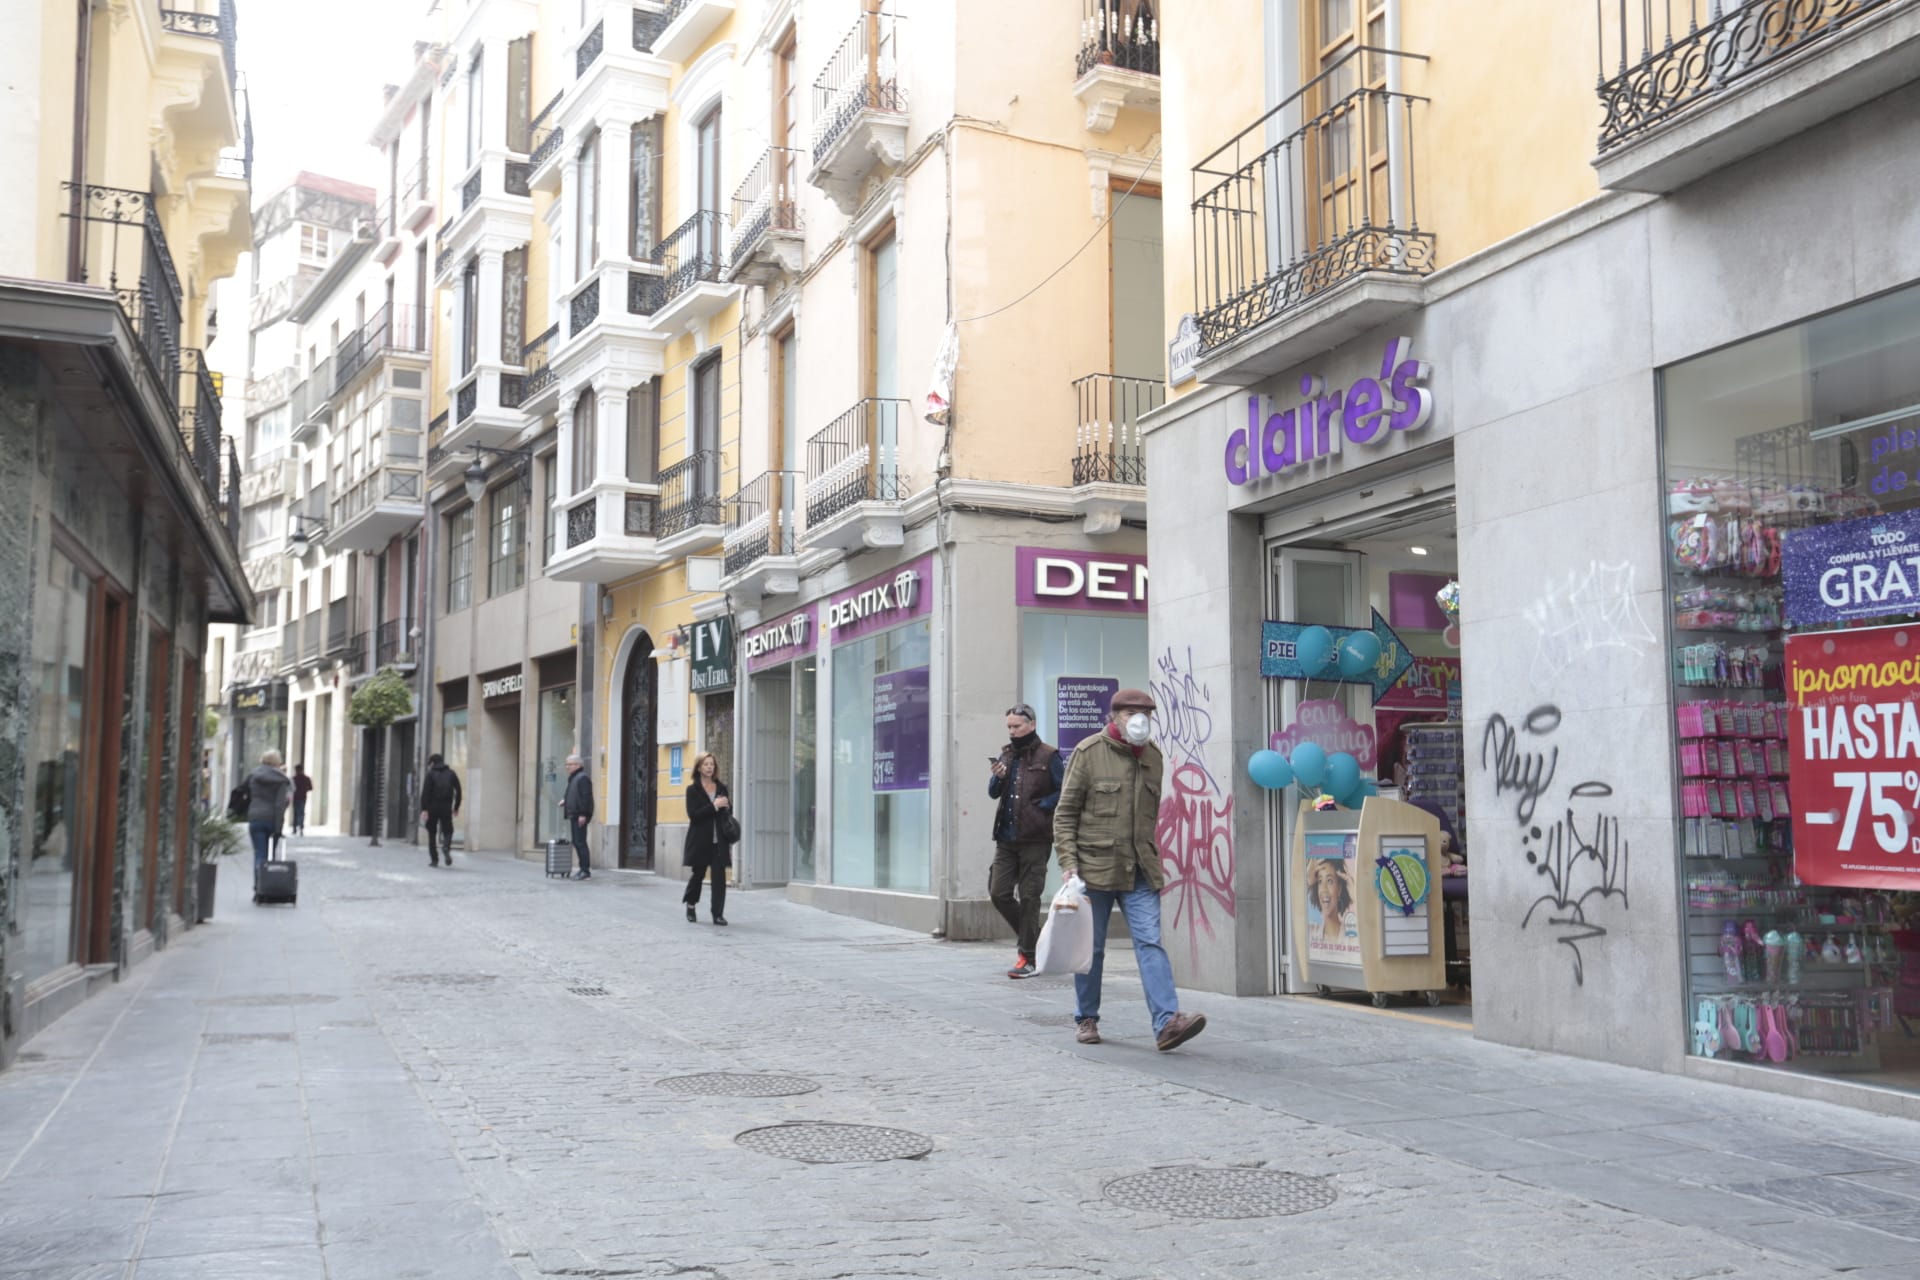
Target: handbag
(729, 828)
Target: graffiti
(1581, 855)
(1194, 828)
(1582, 614)
(1183, 714)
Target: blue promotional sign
(1279, 659)
(1080, 708)
(1865, 568)
(676, 765)
(902, 731)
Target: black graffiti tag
(1528, 772)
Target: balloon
(1369, 789)
(1343, 775)
(1309, 763)
(1352, 799)
(1313, 649)
(1358, 653)
(1270, 769)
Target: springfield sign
(1866, 568)
(1368, 411)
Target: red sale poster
(1853, 708)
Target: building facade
(120, 495)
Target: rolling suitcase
(278, 880)
(559, 858)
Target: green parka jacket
(1103, 824)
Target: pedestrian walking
(1026, 781)
(708, 850)
(577, 807)
(440, 797)
(1103, 827)
(302, 788)
(269, 793)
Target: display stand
(1374, 946)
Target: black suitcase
(277, 879)
(559, 858)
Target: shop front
(495, 780)
(557, 737)
(780, 729)
(260, 724)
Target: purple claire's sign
(902, 729)
(1097, 582)
(881, 602)
(1313, 429)
(1866, 568)
(781, 640)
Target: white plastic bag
(1066, 940)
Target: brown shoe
(1182, 1028)
(1088, 1031)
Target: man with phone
(1026, 782)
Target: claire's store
(1606, 635)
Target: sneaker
(692, 916)
(434, 863)
(579, 875)
(1087, 1031)
(720, 920)
(1022, 969)
(1180, 1029)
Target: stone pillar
(492, 272)
(610, 454)
(616, 194)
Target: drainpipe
(82, 76)
(584, 682)
(423, 652)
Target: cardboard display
(1381, 824)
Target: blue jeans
(1141, 904)
(262, 833)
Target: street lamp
(474, 478)
(300, 538)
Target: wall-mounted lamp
(301, 538)
(474, 478)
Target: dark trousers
(1023, 867)
(692, 896)
(299, 815)
(578, 830)
(440, 834)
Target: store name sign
(879, 603)
(1366, 412)
(1106, 583)
(503, 686)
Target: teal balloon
(1358, 653)
(1270, 769)
(1309, 763)
(1369, 789)
(1351, 799)
(1313, 650)
(1343, 776)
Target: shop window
(881, 829)
(1056, 645)
(1792, 508)
(453, 749)
(806, 771)
(45, 918)
(558, 734)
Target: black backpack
(239, 800)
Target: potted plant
(383, 699)
(215, 838)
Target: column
(616, 191)
(492, 272)
(610, 452)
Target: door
(638, 763)
(705, 481)
(769, 818)
(158, 687)
(372, 780)
(400, 787)
(707, 144)
(1347, 118)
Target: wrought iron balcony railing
(436, 439)
(412, 186)
(647, 26)
(1106, 440)
(763, 519)
(392, 328)
(1279, 222)
(584, 307)
(1118, 33)
(124, 242)
(547, 141)
(590, 48)
(200, 418)
(470, 190)
(688, 256)
(769, 200)
(386, 483)
(214, 21)
(639, 517)
(689, 494)
(539, 375)
(393, 643)
(857, 459)
(466, 400)
(862, 75)
(1656, 63)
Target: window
(550, 467)
(585, 411)
(883, 317)
(60, 744)
(469, 315)
(586, 213)
(706, 427)
(460, 560)
(706, 136)
(262, 524)
(316, 245)
(643, 432)
(644, 178)
(513, 306)
(558, 735)
(881, 837)
(785, 433)
(506, 540)
(520, 95)
(475, 102)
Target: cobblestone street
(476, 1073)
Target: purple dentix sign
(781, 640)
(1865, 568)
(1097, 582)
(1080, 708)
(1313, 429)
(880, 602)
(902, 729)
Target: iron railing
(861, 76)
(1106, 440)
(584, 307)
(590, 47)
(413, 186)
(470, 190)
(392, 643)
(1118, 33)
(319, 386)
(339, 626)
(857, 459)
(436, 439)
(398, 327)
(541, 117)
(386, 483)
(583, 521)
(769, 200)
(466, 400)
(547, 141)
(355, 658)
(689, 493)
(312, 637)
(648, 24)
(534, 358)
(200, 418)
(219, 23)
(1277, 223)
(1656, 63)
(764, 519)
(442, 258)
(688, 256)
(383, 219)
(123, 240)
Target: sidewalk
(458, 1073)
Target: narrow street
(476, 1073)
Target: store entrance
(1384, 573)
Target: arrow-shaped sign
(1277, 641)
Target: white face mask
(1136, 729)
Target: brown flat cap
(1138, 699)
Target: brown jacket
(1109, 803)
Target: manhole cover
(1191, 1192)
(818, 1143)
(247, 1037)
(728, 1084)
(265, 1002)
(588, 991)
(1048, 1019)
(444, 979)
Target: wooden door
(638, 763)
(1345, 113)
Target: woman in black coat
(706, 849)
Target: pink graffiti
(1195, 835)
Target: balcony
(312, 403)
(762, 542)
(1119, 61)
(392, 330)
(860, 110)
(607, 533)
(200, 417)
(415, 205)
(766, 243)
(486, 412)
(339, 636)
(549, 140)
(1691, 86)
(437, 441)
(688, 289)
(270, 389)
(393, 644)
(1305, 242)
(388, 501)
(854, 498)
(536, 391)
(493, 203)
(687, 26)
(386, 232)
(690, 515)
(1109, 459)
(196, 62)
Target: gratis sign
(1866, 568)
(1286, 648)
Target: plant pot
(208, 872)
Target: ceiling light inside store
(1860, 424)
(1419, 551)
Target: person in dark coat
(302, 787)
(439, 800)
(577, 807)
(269, 794)
(707, 851)
(1026, 781)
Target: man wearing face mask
(1103, 827)
(1026, 782)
